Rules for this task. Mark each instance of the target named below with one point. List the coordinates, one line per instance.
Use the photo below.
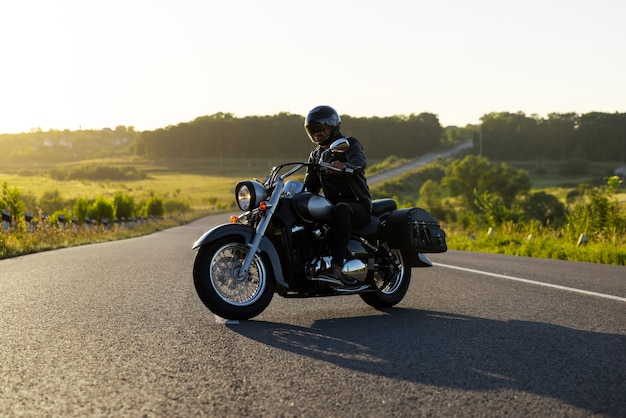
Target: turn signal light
(233, 219)
(263, 206)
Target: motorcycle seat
(380, 206)
(369, 231)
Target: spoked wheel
(392, 279)
(216, 278)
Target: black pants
(347, 215)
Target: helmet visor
(318, 132)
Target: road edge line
(519, 279)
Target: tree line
(58, 146)
(283, 136)
(501, 136)
(592, 136)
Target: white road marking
(518, 279)
(220, 320)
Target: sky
(93, 64)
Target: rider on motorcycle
(347, 191)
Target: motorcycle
(280, 242)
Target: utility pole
(480, 141)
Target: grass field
(202, 182)
(199, 182)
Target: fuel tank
(313, 207)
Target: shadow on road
(584, 369)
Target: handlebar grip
(327, 166)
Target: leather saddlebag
(415, 229)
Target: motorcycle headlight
(249, 194)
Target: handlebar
(298, 165)
(327, 166)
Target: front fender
(246, 233)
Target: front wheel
(215, 276)
(392, 277)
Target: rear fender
(245, 233)
(419, 260)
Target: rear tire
(216, 282)
(393, 291)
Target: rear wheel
(392, 279)
(217, 282)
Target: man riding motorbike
(347, 190)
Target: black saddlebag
(415, 229)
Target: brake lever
(327, 167)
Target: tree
(543, 207)
(462, 177)
(431, 198)
(473, 176)
(505, 181)
(509, 136)
(557, 136)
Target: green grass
(549, 244)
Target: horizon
(112, 127)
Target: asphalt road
(116, 329)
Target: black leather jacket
(345, 187)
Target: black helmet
(321, 118)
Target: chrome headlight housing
(249, 194)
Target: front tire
(215, 278)
(391, 291)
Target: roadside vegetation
(483, 206)
(491, 207)
(58, 190)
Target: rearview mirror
(340, 145)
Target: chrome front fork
(260, 230)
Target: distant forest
(283, 135)
(592, 136)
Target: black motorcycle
(281, 241)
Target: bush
(544, 208)
(154, 207)
(124, 205)
(101, 210)
(52, 201)
(81, 209)
(596, 212)
(55, 218)
(10, 199)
